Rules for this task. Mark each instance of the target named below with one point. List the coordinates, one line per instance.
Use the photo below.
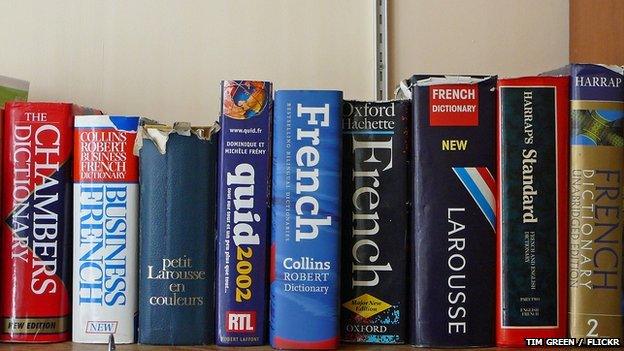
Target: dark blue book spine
(453, 241)
(176, 246)
(305, 251)
(243, 212)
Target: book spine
(532, 237)
(243, 216)
(106, 236)
(375, 179)
(596, 166)
(36, 228)
(176, 245)
(453, 241)
(305, 248)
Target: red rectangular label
(240, 321)
(454, 105)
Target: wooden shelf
(68, 346)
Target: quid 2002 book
(243, 212)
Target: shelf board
(68, 346)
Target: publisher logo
(101, 327)
(241, 321)
(454, 105)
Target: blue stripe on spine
(476, 194)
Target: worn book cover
(106, 205)
(305, 281)
(532, 237)
(177, 167)
(243, 212)
(375, 183)
(453, 236)
(596, 165)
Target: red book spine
(532, 209)
(36, 227)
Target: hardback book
(375, 221)
(37, 218)
(177, 168)
(596, 166)
(532, 233)
(305, 247)
(244, 199)
(453, 215)
(12, 89)
(106, 196)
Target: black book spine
(375, 221)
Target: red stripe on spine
(488, 178)
(327, 344)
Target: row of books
(313, 220)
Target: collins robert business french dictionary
(177, 168)
(106, 195)
(532, 235)
(243, 212)
(375, 212)
(305, 301)
(596, 165)
(453, 241)
(37, 213)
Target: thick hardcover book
(596, 166)
(453, 237)
(532, 235)
(177, 168)
(243, 212)
(37, 218)
(106, 196)
(305, 248)
(375, 220)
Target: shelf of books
(470, 211)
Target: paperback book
(106, 194)
(532, 237)
(453, 236)
(305, 251)
(243, 212)
(375, 181)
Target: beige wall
(505, 37)
(164, 58)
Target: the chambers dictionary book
(453, 237)
(177, 166)
(596, 165)
(243, 212)
(532, 236)
(106, 230)
(37, 220)
(375, 213)
(305, 251)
